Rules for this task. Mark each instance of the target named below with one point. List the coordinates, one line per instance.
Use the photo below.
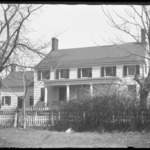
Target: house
(12, 90)
(61, 74)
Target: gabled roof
(15, 79)
(97, 55)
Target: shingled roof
(15, 79)
(97, 55)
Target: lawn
(13, 137)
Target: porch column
(68, 92)
(91, 90)
(45, 97)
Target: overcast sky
(75, 25)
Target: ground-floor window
(31, 102)
(6, 100)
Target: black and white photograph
(74, 75)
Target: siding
(96, 72)
(15, 94)
(119, 71)
(73, 73)
(37, 90)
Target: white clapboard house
(59, 77)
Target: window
(6, 100)
(62, 74)
(31, 101)
(84, 72)
(108, 71)
(131, 70)
(45, 74)
(42, 94)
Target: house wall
(37, 90)
(14, 94)
(96, 73)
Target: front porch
(61, 91)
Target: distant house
(12, 90)
(59, 76)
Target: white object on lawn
(69, 130)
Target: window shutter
(67, 73)
(39, 75)
(3, 101)
(102, 71)
(79, 72)
(57, 74)
(90, 72)
(9, 100)
(124, 70)
(114, 70)
(137, 69)
(42, 94)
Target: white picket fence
(46, 117)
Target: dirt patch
(12, 137)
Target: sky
(75, 25)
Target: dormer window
(44, 74)
(84, 72)
(108, 71)
(62, 74)
(131, 70)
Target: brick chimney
(13, 67)
(143, 36)
(54, 44)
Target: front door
(62, 93)
(20, 102)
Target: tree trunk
(143, 99)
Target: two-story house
(59, 76)
(13, 89)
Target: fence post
(52, 118)
(35, 117)
(113, 117)
(15, 120)
(58, 115)
(84, 118)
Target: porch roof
(102, 80)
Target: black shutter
(79, 72)
(3, 100)
(114, 70)
(102, 71)
(67, 73)
(39, 75)
(137, 69)
(42, 94)
(90, 72)
(9, 100)
(57, 74)
(124, 70)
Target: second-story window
(131, 70)
(62, 74)
(44, 74)
(108, 71)
(84, 72)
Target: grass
(12, 137)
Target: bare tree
(135, 19)
(13, 26)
